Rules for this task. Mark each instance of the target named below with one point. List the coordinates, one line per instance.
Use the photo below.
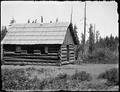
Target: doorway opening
(68, 53)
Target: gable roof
(36, 33)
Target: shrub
(41, 70)
(62, 76)
(59, 82)
(30, 69)
(102, 55)
(81, 76)
(111, 75)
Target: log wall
(63, 55)
(50, 58)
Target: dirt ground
(43, 72)
(94, 69)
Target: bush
(41, 70)
(111, 76)
(81, 76)
(102, 55)
(62, 76)
(30, 69)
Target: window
(46, 50)
(18, 49)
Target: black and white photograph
(59, 46)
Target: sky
(101, 13)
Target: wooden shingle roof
(36, 33)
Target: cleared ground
(52, 71)
(43, 72)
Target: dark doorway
(30, 49)
(67, 52)
(42, 49)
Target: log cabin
(40, 43)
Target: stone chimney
(12, 21)
(28, 21)
(41, 19)
(56, 20)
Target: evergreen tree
(91, 39)
(3, 33)
(97, 36)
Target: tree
(78, 46)
(97, 36)
(75, 33)
(3, 33)
(91, 39)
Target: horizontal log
(72, 58)
(71, 46)
(38, 57)
(72, 61)
(9, 52)
(72, 55)
(63, 58)
(29, 63)
(65, 62)
(71, 49)
(64, 51)
(72, 52)
(55, 49)
(63, 46)
(65, 55)
(27, 54)
(28, 60)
